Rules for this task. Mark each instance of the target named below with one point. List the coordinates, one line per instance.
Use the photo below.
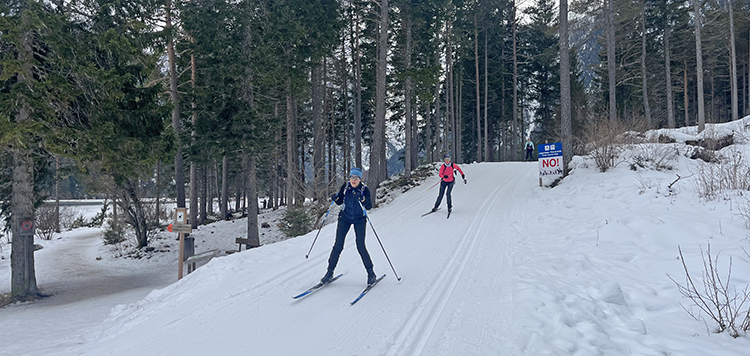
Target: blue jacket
(350, 197)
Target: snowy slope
(581, 269)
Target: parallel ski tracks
(417, 330)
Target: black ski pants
(359, 230)
(444, 185)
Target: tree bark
(486, 91)
(377, 164)
(318, 134)
(478, 96)
(644, 71)
(57, 194)
(252, 200)
(733, 54)
(193, 166)
(515, 135)
(408, 127)
(565, 109)
(685, 93)
(699, 66)
(671, 122)
(23, 275)
(291, 147)
(174, 97)
(224, 187)
(611, 68)
(358, 100)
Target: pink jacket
(448, 170)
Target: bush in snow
(604, 142)
(730, 173)
(716, 298)
(297, 222)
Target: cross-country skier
(351, 195)
(447, 181)
(529, 149)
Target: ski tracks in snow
(420, 334)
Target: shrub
(604, 143)
(113, 235)
(720, 301)
(296, 222)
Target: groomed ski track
(457, 274)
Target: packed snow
(579, 269)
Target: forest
(210, 101)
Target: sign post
(550, 160)
(181, 226)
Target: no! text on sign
(550, 159)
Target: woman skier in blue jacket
(354, 195)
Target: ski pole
(321, 228)
(380, 242)
(433, 186)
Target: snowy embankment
(581, 269)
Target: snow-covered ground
(580, 269)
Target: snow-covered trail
(73, 277)
(450, 269)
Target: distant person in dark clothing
(529, 149)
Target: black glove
(445, 176)
(334, 196)
(464, 178)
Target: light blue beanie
(356, 172)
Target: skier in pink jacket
(447, 170)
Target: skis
(429, 212)
(369, 286)
(316, 287)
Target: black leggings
(444, 185)
(341, 230)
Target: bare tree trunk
(565, 114)
(57, 194)
(158, 191)
(733, 54)
(23, 275)
(478, 96)
(193, 166)
(611, 69)
(514, 131)
(377, 164)
(408, 127)
(204, 193)
(644, 71)
(174, 97)
(345, 96)
(291, 147)
(685, 91)
(486, 90)
(450, 93)
(224, 187)
(251, 191)
(358, 100)
(671, 122)
(318, 134)
(699, 66)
